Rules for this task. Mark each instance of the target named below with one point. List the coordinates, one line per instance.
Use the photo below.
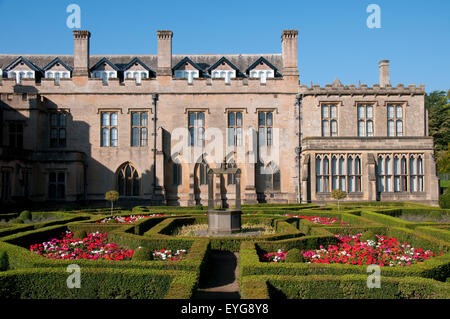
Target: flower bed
(166, 254)
(319, 220)
(126, 219)
(386, 251)
(94, 246)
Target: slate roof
(204, 61)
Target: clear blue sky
(334, 40)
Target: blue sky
(334, 40)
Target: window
(271, 177)
(109, 129)
(139, 132)
(203, 173)
(265, 128)
(128, 180)
(15, 135)
(58, 129)
(231, 178)
(262, 74)
(322, 174)
(365, 120)
(187, 74)
(196, 126)
(345, 173)
(56, 185)
(394, 171)
(224, 74)
(329, 119)
(177, 174)
(137, 75)
(338, 173)
(395, 120)
(416, 174)
(234, 128)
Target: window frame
(110, 128)
(140, 127)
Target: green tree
(112, 196)
(338, 194)
(438, 106)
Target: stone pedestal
(224, 221)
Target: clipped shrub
(80, 234)
(4, 263)
(444, 199)
(294, 255)
(142, 254)
(435, 215)
(17, 220)
(25, 215)
(368, 235)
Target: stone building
(150, 126)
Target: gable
(57, 65)
(104, 65)
(21, 64)
(187, 65)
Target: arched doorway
(128, 180)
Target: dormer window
(20, 69)
(262, 74)
(224, 74)
(57, 75)
(190, 75)
(19, 75)
(137, 75)
(104, 75)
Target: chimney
(384, 73)
(289, 52)
(164, 52)
(81, 53)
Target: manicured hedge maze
(24, 274)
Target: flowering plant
(94, 246)
(279, 256)
(385, 251)
(319, 220)
(166, 254)
(126, 219)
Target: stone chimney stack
(164, 52)
(289, 52)
(384, 73)
(81, 53)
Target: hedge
(341, 287)
(249, 262)
(104, 283)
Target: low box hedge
(97, 283)
(341, 287)
(436, 268)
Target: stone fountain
(224, 220)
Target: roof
(204, 61)
(136, 60)
(225, 60)
(261, 60)
(24, 60)
(187, 60)
(105, 60)
(57, 60)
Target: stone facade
(73, 139)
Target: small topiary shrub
(17, 220)
(142, 254)
(80, 234)
(25, 215)
(294, 255)
(444, 199)
(368, 235)
(4, 263)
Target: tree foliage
(112, 196)
(438, 106)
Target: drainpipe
(155, 98)
(298, 149)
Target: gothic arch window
(203, 173)
(271, 177)
(128, 180)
